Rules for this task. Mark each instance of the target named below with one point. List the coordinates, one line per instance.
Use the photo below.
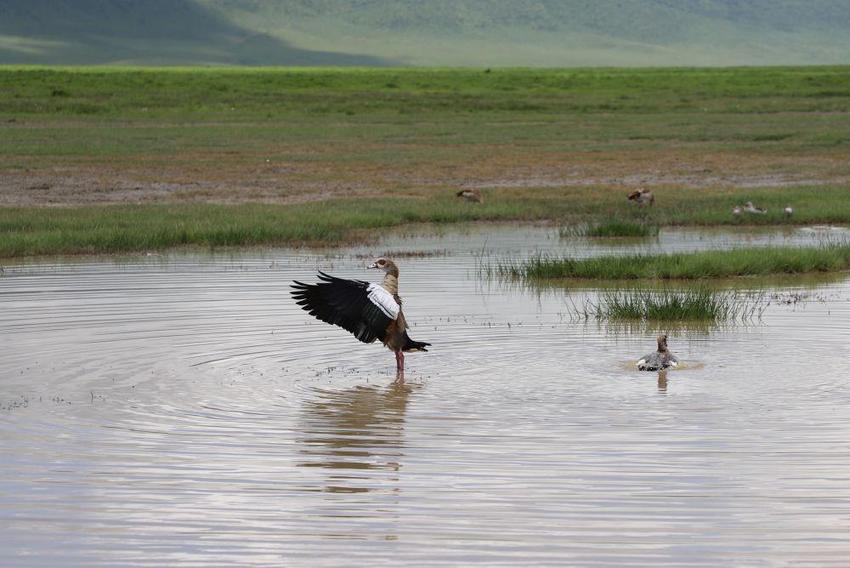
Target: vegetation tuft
(666, 305)
(611, 228)
(761, 261)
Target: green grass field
(196, 92)
(106, 159)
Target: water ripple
(182, 410)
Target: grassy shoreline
(104, 160)
(35, 231)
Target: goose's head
(662, 343)
(385, 265)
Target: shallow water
(181, 410)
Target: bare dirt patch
(243, 177)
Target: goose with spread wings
(369, 311)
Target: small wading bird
(736, 211)
(642, 197)
(472, 195)
(788, 211)
(369, 311)
(658, 360)
(753, 210)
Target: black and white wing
(363, 308)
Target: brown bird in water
(369, 311)
(658, 360)
(472, 195)
(642, 197)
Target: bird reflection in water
(357, 435)
(662, 381)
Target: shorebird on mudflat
(660, 359)
(369, 311)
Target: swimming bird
(472, 195)
(752, 209)
(658, 360)
(788, 211)
(642, 197)
(369, 311)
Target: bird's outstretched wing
(362, 308)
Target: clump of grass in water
(698, 304)
(760, 261)
(610, 229)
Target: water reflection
(233, 432)
(662, 381)
(354, 432)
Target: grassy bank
(760, 261)
(214, 157)
(108, 229)
(121, 228)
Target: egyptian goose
(472, 195)
(658, 360)
(367, 310)
(752, 209)
(642, 197)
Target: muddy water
(180, 410)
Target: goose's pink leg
(399, 361)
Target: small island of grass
(761, 261)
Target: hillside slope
(154, 32)
(436, 32)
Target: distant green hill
(426, 32)
(150, 32)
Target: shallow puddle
(181, 409)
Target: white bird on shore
(736, 211)
(752, 209)
(789, 211)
